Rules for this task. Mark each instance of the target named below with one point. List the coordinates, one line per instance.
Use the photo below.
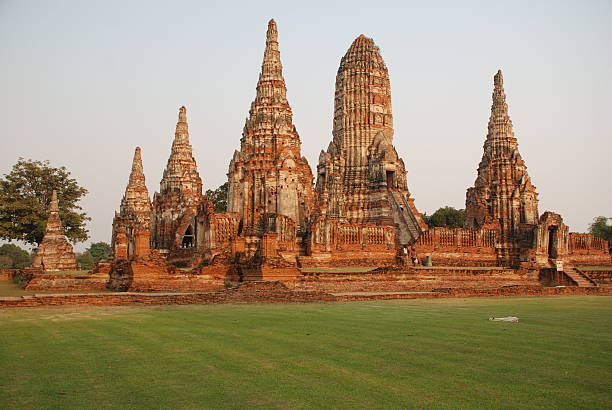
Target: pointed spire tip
(182, 114)
(54, 205)
(498, 79)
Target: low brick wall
(516, 291)
(7, 274)
(67, 281)
(347, 258)
(252, 292)
(276, 292)
(411, 279)
(601, 277)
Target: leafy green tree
(19, 258)
(447, 217)
(600, 228)
(99, 251)
(218, 197)
(6, 262)
(85, 260)
(25, 195)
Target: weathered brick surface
(6, 274)
(54, 252)
(154, 274)
(275, 292)
(361, 178)
(270, 292)
(516, 291)
(408, 279)
(67, 282)
(601, 277)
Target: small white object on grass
(504, 319)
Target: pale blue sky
(84, 82)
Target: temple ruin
(54, 253)
(359, 212)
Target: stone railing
(459, 237)
(226, 227)
(329, 235)
(585, 242)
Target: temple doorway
(552, 246)
(188, 238)
(390, 177)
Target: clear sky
(84, 82)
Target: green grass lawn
(606, 268)
(378, 354)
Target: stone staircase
(581, 278)
(409, 229)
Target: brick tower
(503, 195)
(54, 252)
(131, 226)
(270, 183)
(361, 178)
(180, 193)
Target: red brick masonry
(276, 292)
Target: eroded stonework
(132, 224)
(359, 214)
(361, 179)
(270, 183)
(180, 193)
(54, 253)
(503, 195)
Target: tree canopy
(99, 251)
(13, 257)
(218, 197)
(85, 260)
(600, 228)
(25, 196)
(447, 217)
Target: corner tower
(268, 178)
(131, 226)
(361, 178)
(503, 195)
(180, 193)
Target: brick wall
(408, 279)
(276, 292)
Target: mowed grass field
(378, 354)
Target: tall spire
(136, 203)
(54, 223)
(181, 135)
(362, 106)
(181, 171)
(54, 252)
(269, 176)
(500, 124)
(54, 205)
(502, 195)
(137, 177)
(271, 67)
(361, 178)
